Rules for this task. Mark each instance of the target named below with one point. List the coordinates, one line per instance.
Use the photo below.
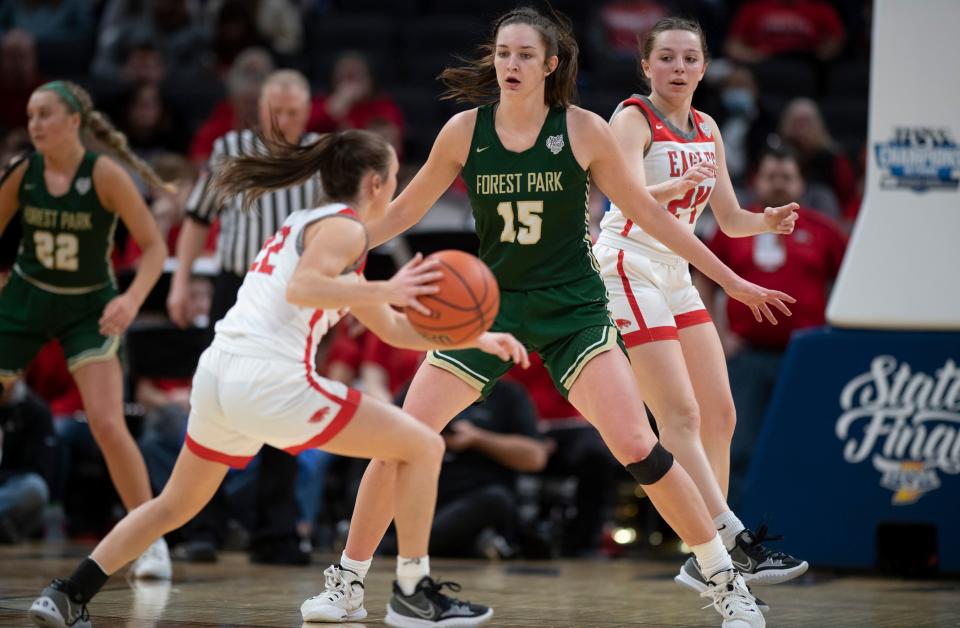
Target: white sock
(729, 526)
(410, 571)
(359, 567)
(712, 557)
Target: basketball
(466, 304)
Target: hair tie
(61, 88)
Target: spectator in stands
(488, 445)
(766, 28)
(175, 26)
(27, 461)
(69, 23)
(806, 263)
(578, 451)
(19, 76)
(240, 24)
(822, 160)
(356, 102)
(240, 109)
(149, 123)
(143, 63)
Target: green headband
(61, 88)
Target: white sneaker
(341, 600)
(154, 563)
(733, 600)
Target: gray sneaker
(691, 578)
(760, 565)
(55, 609)
(429, 607)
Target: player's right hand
(178, 305)
(416, 278)
(505, 347)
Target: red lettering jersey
(671, 152)
(802, 264)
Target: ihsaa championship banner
(863, 429)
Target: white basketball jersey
(671, 152)
(262, 322)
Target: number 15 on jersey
(528, 214)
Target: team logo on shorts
(83, 185)
(555, 144)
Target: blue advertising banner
(863, 429)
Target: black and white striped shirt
(242, 234)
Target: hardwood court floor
(563, 594)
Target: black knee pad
(652, 468)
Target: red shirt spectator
(802, 264)
(764, 28)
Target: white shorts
(649, 299)
(238, 403)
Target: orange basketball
(466, 304)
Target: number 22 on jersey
(273, 245)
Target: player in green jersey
(542, 150)
(62, 285)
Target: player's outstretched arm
(446, 159)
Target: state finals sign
(863, 430)
(905, 422)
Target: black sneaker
(55, 609)
(691, 578)
(760, 565)
(429, 607)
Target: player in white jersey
(257, 382)
(674, 348)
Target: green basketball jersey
(530, 207)
(67, 240)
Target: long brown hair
(646, 42)
(341, 159)
(475, 82)
(101, 128)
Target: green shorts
(568, 325)
(30, 317)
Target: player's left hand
(759, 299)
(505, 347)
(118, 315)
(781, 219)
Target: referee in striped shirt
(285, 107)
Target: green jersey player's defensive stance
(527, 156)
(62, 285)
